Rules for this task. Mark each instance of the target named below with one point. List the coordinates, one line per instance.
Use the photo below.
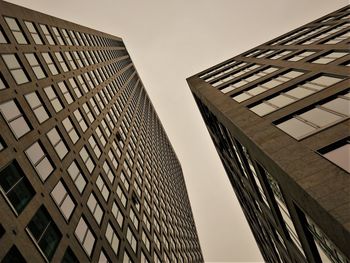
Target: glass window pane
(299, 92)
(16, 186)
(44, 168)
(339, 105)
(320, 117)
(67, 207)
(340, 156)
(326, 81)
(58, 193)
(295, 128)
(281, 101)
(19, 127)
(262, 109)
(9, 110)
(81, 230)
(89, 242)
(19, 76)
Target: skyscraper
(278, 115)
(87, 172)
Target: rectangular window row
(62, 36)
(247, 80)
(289, 96)
(266, 85)
(312, 120)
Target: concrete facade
(274, 115)
(87, 171)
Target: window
(37, 107)
(14, 118)
(113, 159)
(33, 32)
(103, 258)
(2, 144)
(33, 62)
(88, 113)
(121, 196)
(3, 39)
(124, 180)
(285, 98)
(319, 117)
(47, 34)
(328, 252)
(80, 120)
(126, 258)
(58, 35)
(338, 38)
(134, 218)
(15, 68)
(100, 136)
(86, 157)
(338, 153)
(70, 60)
(66, 37)
(54, 100)
(75, 87)
(101, 185)
(146, 222)
(247, 80)
(16, 187)
(231, 76)
(95, 146)
(131, 239)
(69, 257)
(45, 232)
(16, 30)
(118, 215)
(61, 61)
(77, 176)
(63, 87)
(3, 84)
(325, 59)
(301, 56)
(146, 241)
(57, 143)
(108, 172)
(274, 82)
(144, 258)
(112, 237)
(63, 200)
(39, 160)
(95, 208)
(52, 67)
(13, 255)
(85, 236)
(68, 125)
(281, 54)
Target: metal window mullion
(63, 198)
(306, 122)
(42, 234)
(15, 117)
(40, 160)
(331, 111)
(14, 185)
(289, 96)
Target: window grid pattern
(108, 92)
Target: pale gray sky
(171, 40)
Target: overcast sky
(171, 40)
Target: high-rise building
(278, 115)
(87, 173)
